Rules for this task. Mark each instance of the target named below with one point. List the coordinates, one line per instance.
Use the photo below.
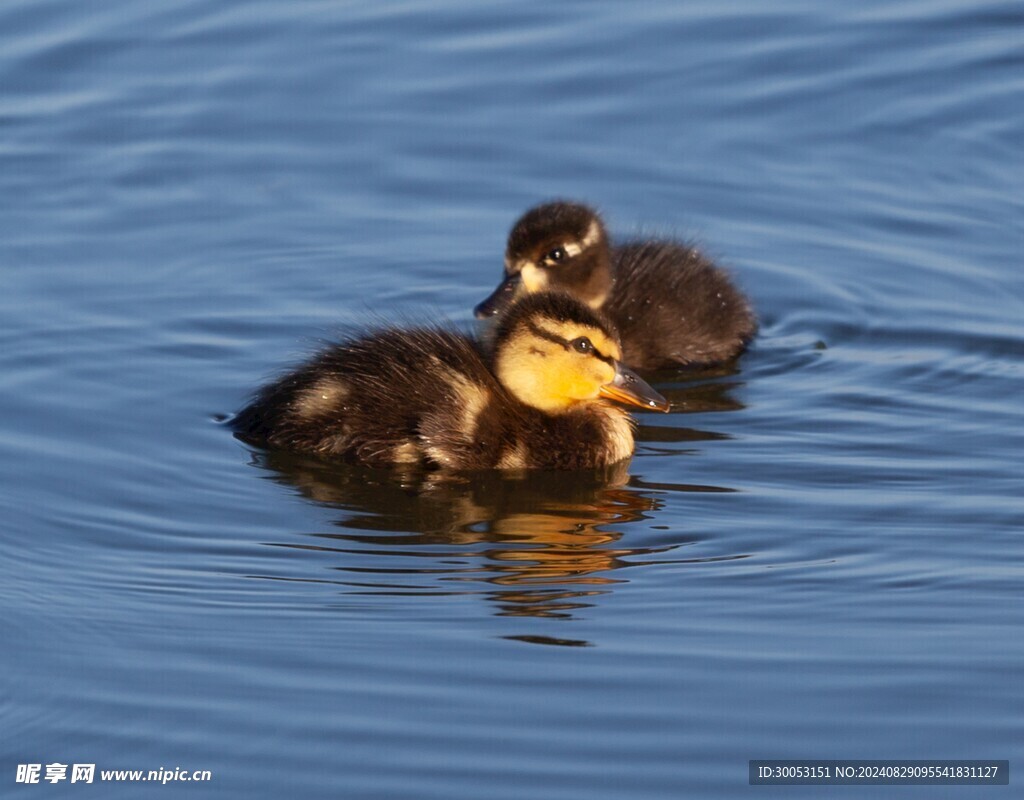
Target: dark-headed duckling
(671, 305)
(431, 396)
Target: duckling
(671, 305)
(431, 396)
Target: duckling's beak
(628, 387)
(500, 298)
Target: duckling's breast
(617, 426)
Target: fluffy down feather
(672, 306)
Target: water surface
(818, 554)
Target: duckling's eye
(556, 255)
(582, 345)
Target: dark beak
(500, 298)
(628, 387)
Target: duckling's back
(673, 306)
(365, 398)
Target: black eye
(582, 345)
(556, 255)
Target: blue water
(819, 554)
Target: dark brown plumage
(431, 396)
(671, 305)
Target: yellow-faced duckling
(671, 305)
(432, 396)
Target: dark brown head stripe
(538, 331)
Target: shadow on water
(694, 390)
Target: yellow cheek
(572, 383)
(534, 278)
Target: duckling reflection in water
(432, 396)
(536, 543)
(671, 305)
